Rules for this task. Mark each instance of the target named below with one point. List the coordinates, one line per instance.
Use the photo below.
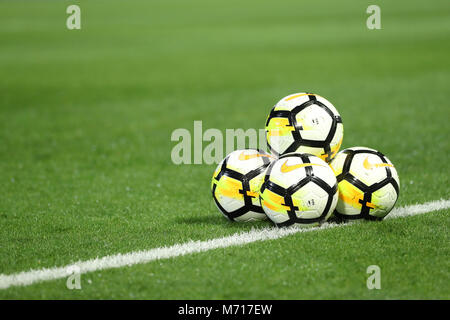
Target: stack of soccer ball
(305, 180)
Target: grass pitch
(86, 118)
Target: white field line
(128, 259)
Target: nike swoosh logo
(367, 165)
(244, 156)
(285, 168)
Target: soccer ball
(236, 183)
(305, 123)
(299, 189)
(368, 184)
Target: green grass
(329, 264)
(86, 118)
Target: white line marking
(128, 259)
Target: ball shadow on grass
(221, 221)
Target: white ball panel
(229, 204)
(368, 168)
(251, 216)
(245, 160)
(384, 199)
(281, 143)
(316, 123)
(311, 150)
(328, 104)
(291, 101)
(323, 171)
(338, 136)
(347, 209)
(393, 171)
(311, 201)
(255, 185)
(276, 217)
(333, 205)
(338, 162)
(287, 179)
